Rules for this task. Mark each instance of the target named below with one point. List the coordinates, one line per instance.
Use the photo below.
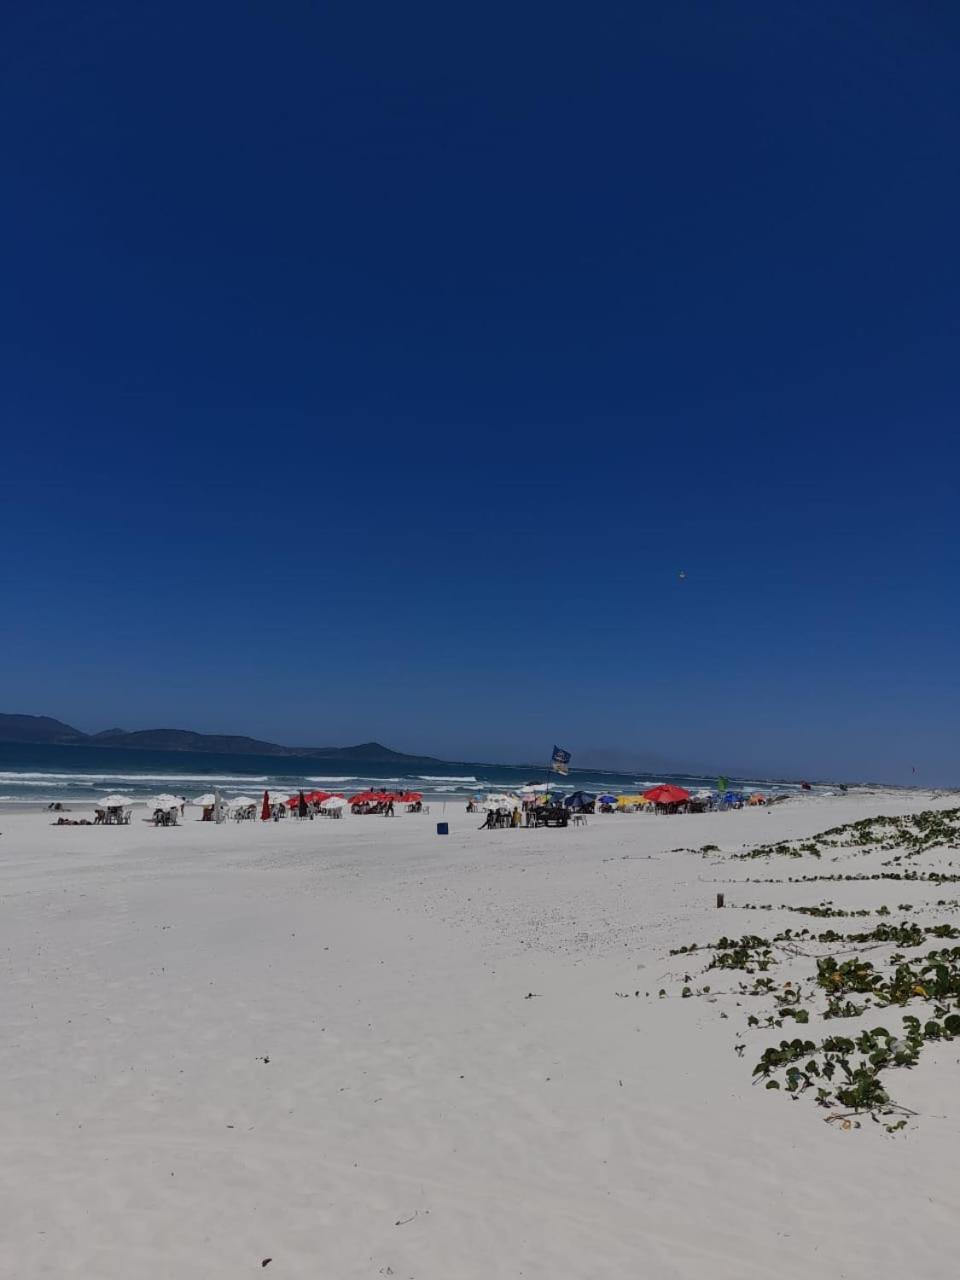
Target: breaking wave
(444, 777)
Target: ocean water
(40, 775)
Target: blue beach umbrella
(579, 800)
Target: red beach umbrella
(666, 793)
(265, 811)
(410, 797)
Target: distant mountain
(186, 740)
(42, 729)
(15, 728)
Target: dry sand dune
(360, 1050)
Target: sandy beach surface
(358, 1049)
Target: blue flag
(560, 760)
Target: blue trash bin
(443, 829)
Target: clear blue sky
(372, 370)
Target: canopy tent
(666, 793)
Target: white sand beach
(358, 1049)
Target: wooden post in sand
(719, 899)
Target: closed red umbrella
(265, 811)
(666, 793)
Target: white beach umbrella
(498, 800)
(165, 802)
(335, 802)
(114, 802)
(241, 802)
(207, 801)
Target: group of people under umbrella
(309, 804)
(168, 810)
(324, 804)
(386, 802)
(668, 798)
(539, 805)
(536, 804)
